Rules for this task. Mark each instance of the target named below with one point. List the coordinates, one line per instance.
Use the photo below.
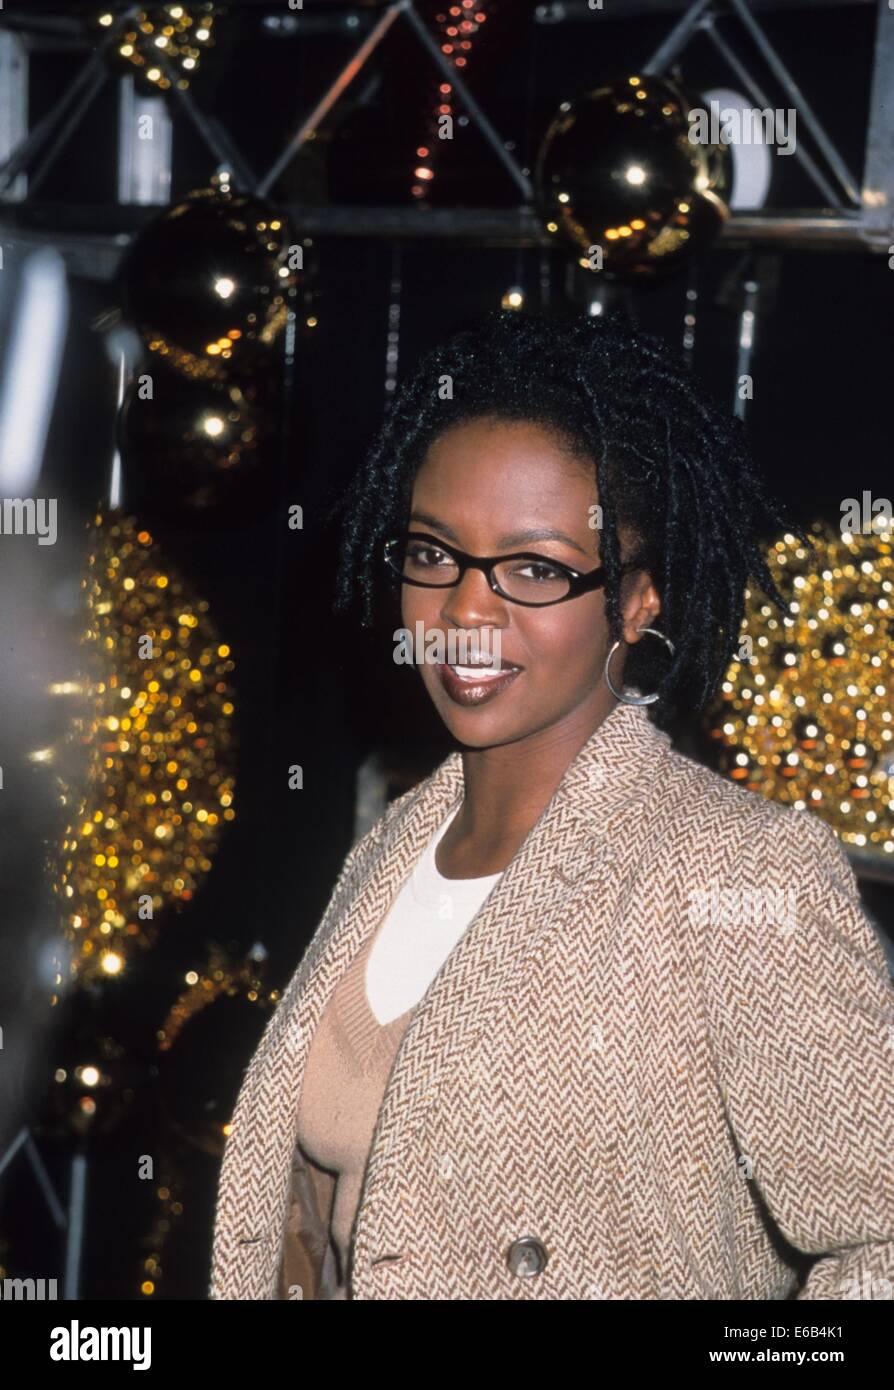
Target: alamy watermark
(744, 907)
(459, 648)
(28, 1290)
(86, 1343)
(29, 516)
(870, 1287)
(863, 516)
(752, 126)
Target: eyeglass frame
(581, 582)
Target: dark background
(311, 688)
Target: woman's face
(489, 486)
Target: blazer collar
(602, 791)
(598, 784)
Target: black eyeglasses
(527, 578)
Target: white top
(425, 922)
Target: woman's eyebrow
(542, 533)
(538, 533)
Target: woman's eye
(538, 573)
(426, 555)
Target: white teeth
(478, 673)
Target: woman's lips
(466, 686)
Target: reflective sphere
(197, 450)
(206, 283)
(618, 172)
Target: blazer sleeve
(800, 1010)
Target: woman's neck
(506, 790)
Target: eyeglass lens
(529, 580)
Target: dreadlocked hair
(669, 462)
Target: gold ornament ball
(805, 715)
(160, 784)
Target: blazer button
(527, 1256)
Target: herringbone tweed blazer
(673, 1094)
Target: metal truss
(855, 216)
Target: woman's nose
(472, 603)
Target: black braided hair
(670, 463)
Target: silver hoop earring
(631, 699)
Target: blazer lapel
(604, 789)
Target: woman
(525, 1055)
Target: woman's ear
(641, 606)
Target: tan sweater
(348, 1066)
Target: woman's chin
(476, 726)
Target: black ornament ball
(617, 171)
(207, 283)
(198, 451)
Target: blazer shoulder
(728, 812)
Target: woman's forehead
(496, 453)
